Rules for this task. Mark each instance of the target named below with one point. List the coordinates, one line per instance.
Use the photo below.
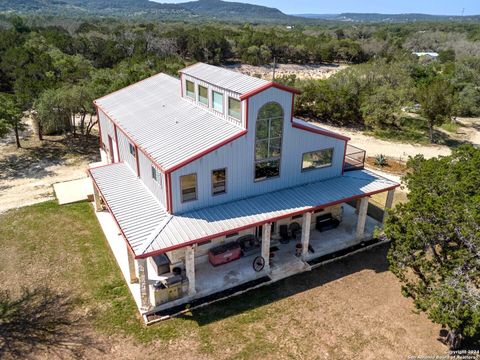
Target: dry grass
(351, 309)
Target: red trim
(268, 86)
(320, 131)
(246, 114)
(344, 154)
(206, 151)
(213, 236)
(116, 143)
(138, 161)
(168, 180)
(109, 209)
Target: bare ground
(302, 72)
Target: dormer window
(203, 95)
(217, 100)
(234, 108)
(190, 88)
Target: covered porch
(189, 276)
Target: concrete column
(97, 200)
(357, 206)
(131, 267)
(190, 269)
(388, 203)
(362, 218)
(144, 285)
(267, 229)
(306, 221)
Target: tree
(10, 117)
(435, 240)
(436, 98)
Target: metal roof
(166, 126)
(136, 210)
(224, 78)
(207, 223)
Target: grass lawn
(352, 308)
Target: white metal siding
(156, 187)
(125, 155)
(107, 129)
(238, 158)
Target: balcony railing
(354, 158)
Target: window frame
(198, 96)
(317, 167)
(132, 150)
(225, 186)
(154, 171)
(181, 188)
(268, 140)
(223, 101)
(240, 110)
(187, 91)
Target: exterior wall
(107, 129)
(238, 158)
(156, 187)
(125, 156)
(210, 87)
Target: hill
(391, 18)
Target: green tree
(10, 117)
(435, 240)
(436, 98)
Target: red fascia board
(108, 207)
(268, 86)
(344, 155)
(320, 131)
(206, 151)
(263, 222)
(168, 188)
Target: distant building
(430, 55)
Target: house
(426, 55)
(215, 185)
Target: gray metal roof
(150, 229)
(224, 78)
(136, 210)
(169, 128)
(209, 222)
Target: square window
(154, 174)
(234, 108)
(188, 185)
(217, 101)
(203, 95)
(219, 181)
(267, 169)
(190, 88)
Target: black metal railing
(354, 158)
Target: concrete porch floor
(210, 279)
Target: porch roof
(171, 232)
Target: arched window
(268, 141)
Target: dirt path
(27, 174)
(469, 131)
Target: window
(156, 176)
(188, 184)
(203, 94)
(217, 99)
(190, 88)
(317, 159)
(234, 108)
(219, 181)
(132, 149)
(268, 141)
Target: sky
(438, 7)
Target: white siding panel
(156, 187)
(238, 158)
(125, 156)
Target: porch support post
(190, 269)
(306, 221)
(362, 218)
(266, 231)
(357, 206)
(144, 285)
(388, 203)
(131, 266)
(97, 200)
